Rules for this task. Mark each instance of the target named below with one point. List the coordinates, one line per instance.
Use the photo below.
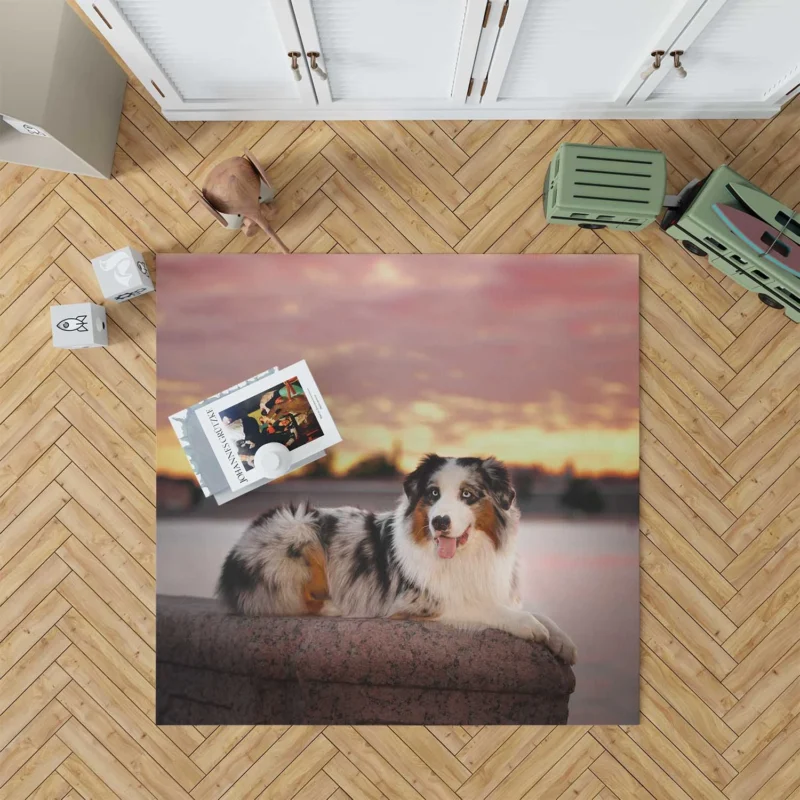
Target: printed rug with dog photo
(467, 554)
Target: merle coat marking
(447, 552)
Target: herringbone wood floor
(720, 549)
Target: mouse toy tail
(270, 231)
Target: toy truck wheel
(693, 248)
(592, 226)
(769, 301)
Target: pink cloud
(509, 329)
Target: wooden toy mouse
(234, 188)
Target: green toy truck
(605, 187)
(613, 187)
(700, 230)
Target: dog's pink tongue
(447, 547)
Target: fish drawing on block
(77, 324)
(763, 238)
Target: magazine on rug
(277, 407)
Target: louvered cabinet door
(390, 54)
(735, 51)
(208, 54)
(577, 54)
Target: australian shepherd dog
(446, 553)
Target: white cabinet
(429, 59)
(414, 53)
(734, 51)
(577, 52)
(207, 55)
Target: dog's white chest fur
(476, 576)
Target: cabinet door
(576, 53)
(743, 51)
(208, 54)
(404, 54)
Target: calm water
(585, 575)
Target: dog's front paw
(526, 626)
(563, 647)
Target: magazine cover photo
(457, 539)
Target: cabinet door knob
(294, 55)
(657, 56)
(676, 57)
(313, 56)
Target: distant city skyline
(533, 359)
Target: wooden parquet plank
(31, 629)
(32, 192)
(427, 169)
(295, 778)
(536, 147)
(120, 744)
(434, 754)
(352, 783)
(292, 159)
(153, 198)
(54, 787)
(30, 230)
(501, 145)
(12, 176)
(163, 172)
(779, 424)
(24, 710)
(147, 119)
(236, 763)
(383, 233)
(245, 134)
(99, 760)
(47, 757)
(681, 410)
(103, 473)
(85, 782)
(691, 746)
(278, 140)
(766, 398)
(720, 509)
(675, 583)
(387, 183)
(538, 764)
(30, 484)
(684, 556)
(28, 560)
(16, 281)
(776, 602)
(502, 763)
(438, 144)
(109, 516)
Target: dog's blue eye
(466, 494)
(434, 493)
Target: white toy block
(122, 274)
(79, 325)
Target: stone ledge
(218, 668)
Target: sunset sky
(534, 359)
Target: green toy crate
(700, 230)
(605, 187)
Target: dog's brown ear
(498, 481)
(213, 211)
(257, 167)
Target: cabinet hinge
(469, 88)
(483, 88)
(486, 13)
(503, 15)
